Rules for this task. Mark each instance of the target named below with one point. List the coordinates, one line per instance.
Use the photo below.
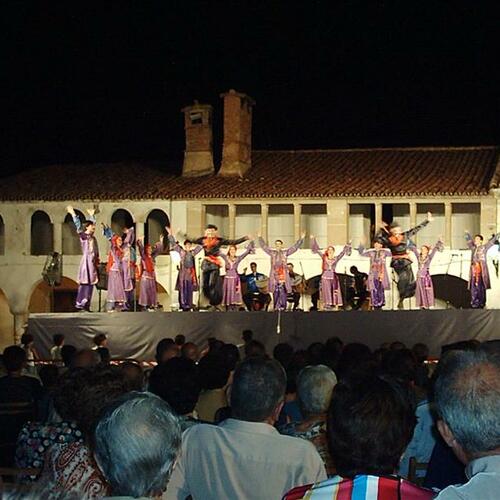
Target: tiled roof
(437, 171)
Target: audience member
(104, 356)
(213, 376)
(355, 361)
(70, 468)
(28, 344)
(86, 358)
(55, 351)
(254, 348)
(162, 346)
(176, 382)
(467, 396)
(16, 387)
(134, 375)
(370, 423)
(179, 340)
(68, 353)
(421, 353)
(314, 393)
(100, 340)
(283, 353)
(245, 456)
(316, 353)
(137, 441)
(190, 351)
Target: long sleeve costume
(87, 271)
(212, 283)
(280, 283)
(479, 276)
(187, 282)
(378, 278)
(425, 290)
(231, 290)
(329, 288)
(116, 291)
(401, 262)
(148, 296)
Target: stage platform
(135, 335)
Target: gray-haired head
(137, 441)
(314, 389)
(467, 395)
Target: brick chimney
(237, 147)
(198, 156)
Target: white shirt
(242, 460)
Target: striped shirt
(360, 488)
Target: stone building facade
(337, 195)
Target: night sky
(103, 81)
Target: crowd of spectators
(237, 422)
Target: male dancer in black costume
(211, 280)
(392, 237)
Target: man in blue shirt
(255, 297)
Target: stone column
(337, 213)
(57, 237)
(447, 223)
(20, 319)
(297, 209)
(232, 220)
(378, 214)
(413, 214)
(263, 220)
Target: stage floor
(135, 335)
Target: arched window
(42, 234)
(121, 219)
(155, 226)
(2, 237)
(70, 239)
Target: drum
(298, 283)
(263, 284)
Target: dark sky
(106, 80)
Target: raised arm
(264, 246)
(468, 240)
(197, 249)
(345, 251)
(315, 247)
(413, 248)
(129, 239)
(363, 252)
(295, 246)
(438, 247)
(225, 242)
(174, 245)
(158, 248)
(416, 229)
(140, 246)
(108, 233)
(249, 249)
(491, 241)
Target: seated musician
(297, 287)
(357, 294)
(254, 293)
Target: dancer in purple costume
(479, 277)
(116, 298)
(148, 297)
(187, 283)
(231, 288)
(128, 266)
(87, 272)
(329, 288)
(279, 279)
(378, 278)
(424, 293)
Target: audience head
(247, 335)
(102, 384)
(100, 340)
(400, 365)
(86, 358)
(283, 353)
(162, 346)
(134, 375)
(421, 352)
(27, 339)
(231, 355)
(316, 353)
(213, 371)
(68, 392)
(314, 389)
(214, 344)
(58, 339)
(254, 348)
(397, 345)
(354, 361)
(14, 358)
(258, 390)
(68, 353)
(180, 340)
(137, 441)
(176, 382)
(190, 351)
(49, 375)
(467, 397)
(370, 423)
